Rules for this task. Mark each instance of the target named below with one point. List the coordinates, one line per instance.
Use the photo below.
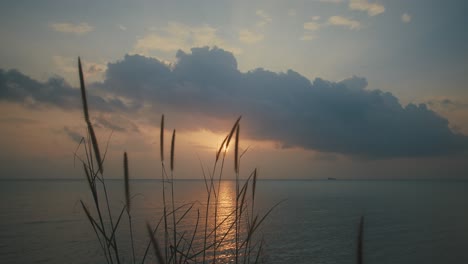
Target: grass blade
(194, 232)
(172, 149)
(232, 131)
(97, 153)
(172, 197)
(259, 251)
(157, 251)
(161, 139)
(95, 228)
(236, 150)
(149, 244)
(220, 148)
(86, 117)
(254, 186)
(114, 229)
(256, 224)
(83, 91)
(126, 180)
(359, 253)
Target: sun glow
(225, 148)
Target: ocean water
(405, 221)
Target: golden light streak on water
(226, 218)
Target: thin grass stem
(174, 229)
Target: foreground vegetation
(213, 237)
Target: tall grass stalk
(359, 248)
(128, 203)
(236, 170)
(94, 174)
(163, 179)
(174, 225)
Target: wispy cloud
(331, 1)
(372, 9)
(95, 68)
(265, 18)
(344, 22)
(254, 34)
(78, 29)
(308, 37)
(122, 27)
(116, 123)
(72, 134)
(249, 37)
(17, 120)
(312, 26)
(67, 65)
(450, 104)
(177, 36)
(405, 18)
(292, 12)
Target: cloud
(453, 108)
(405, 18)
(255, 34)
(74, 136)
(331, 1)
(249, 37)
(19, 88)
(344, 117)
(372, 9)
(122, 27)
(177, 36)
(344, 22)
(95, 68)
(67, 65)
(311, 26)
(308, 37)
(265, 18)
(449, 104)
(116, 123)
(17, 120)
(78, 29)
(338, 117)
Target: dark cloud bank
(341, 117)
(17, 87)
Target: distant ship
(331, 179)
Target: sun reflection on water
(225, 208)
(225, 219)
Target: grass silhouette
(171, 243)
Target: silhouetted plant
(179, 247)
(360, 238)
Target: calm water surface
(405, 221)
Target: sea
(315, 221)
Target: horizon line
(243, 179)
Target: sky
(352, 89)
